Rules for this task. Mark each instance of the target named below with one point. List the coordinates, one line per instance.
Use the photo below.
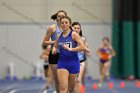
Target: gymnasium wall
(23, 25)
(41, 10)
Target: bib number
(69, 44)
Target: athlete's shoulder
(52, 27)
(75, 36)
(74, 33)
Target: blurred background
(23, 25)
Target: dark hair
(77, 23)
(106, 38)
(54, 17)
(44, 46)
(66, 17)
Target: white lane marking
(45, 91)
(13, 91)
(10, 86)
(54, 91)
(42, 88)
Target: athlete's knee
(71, 89)
(63, 87)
